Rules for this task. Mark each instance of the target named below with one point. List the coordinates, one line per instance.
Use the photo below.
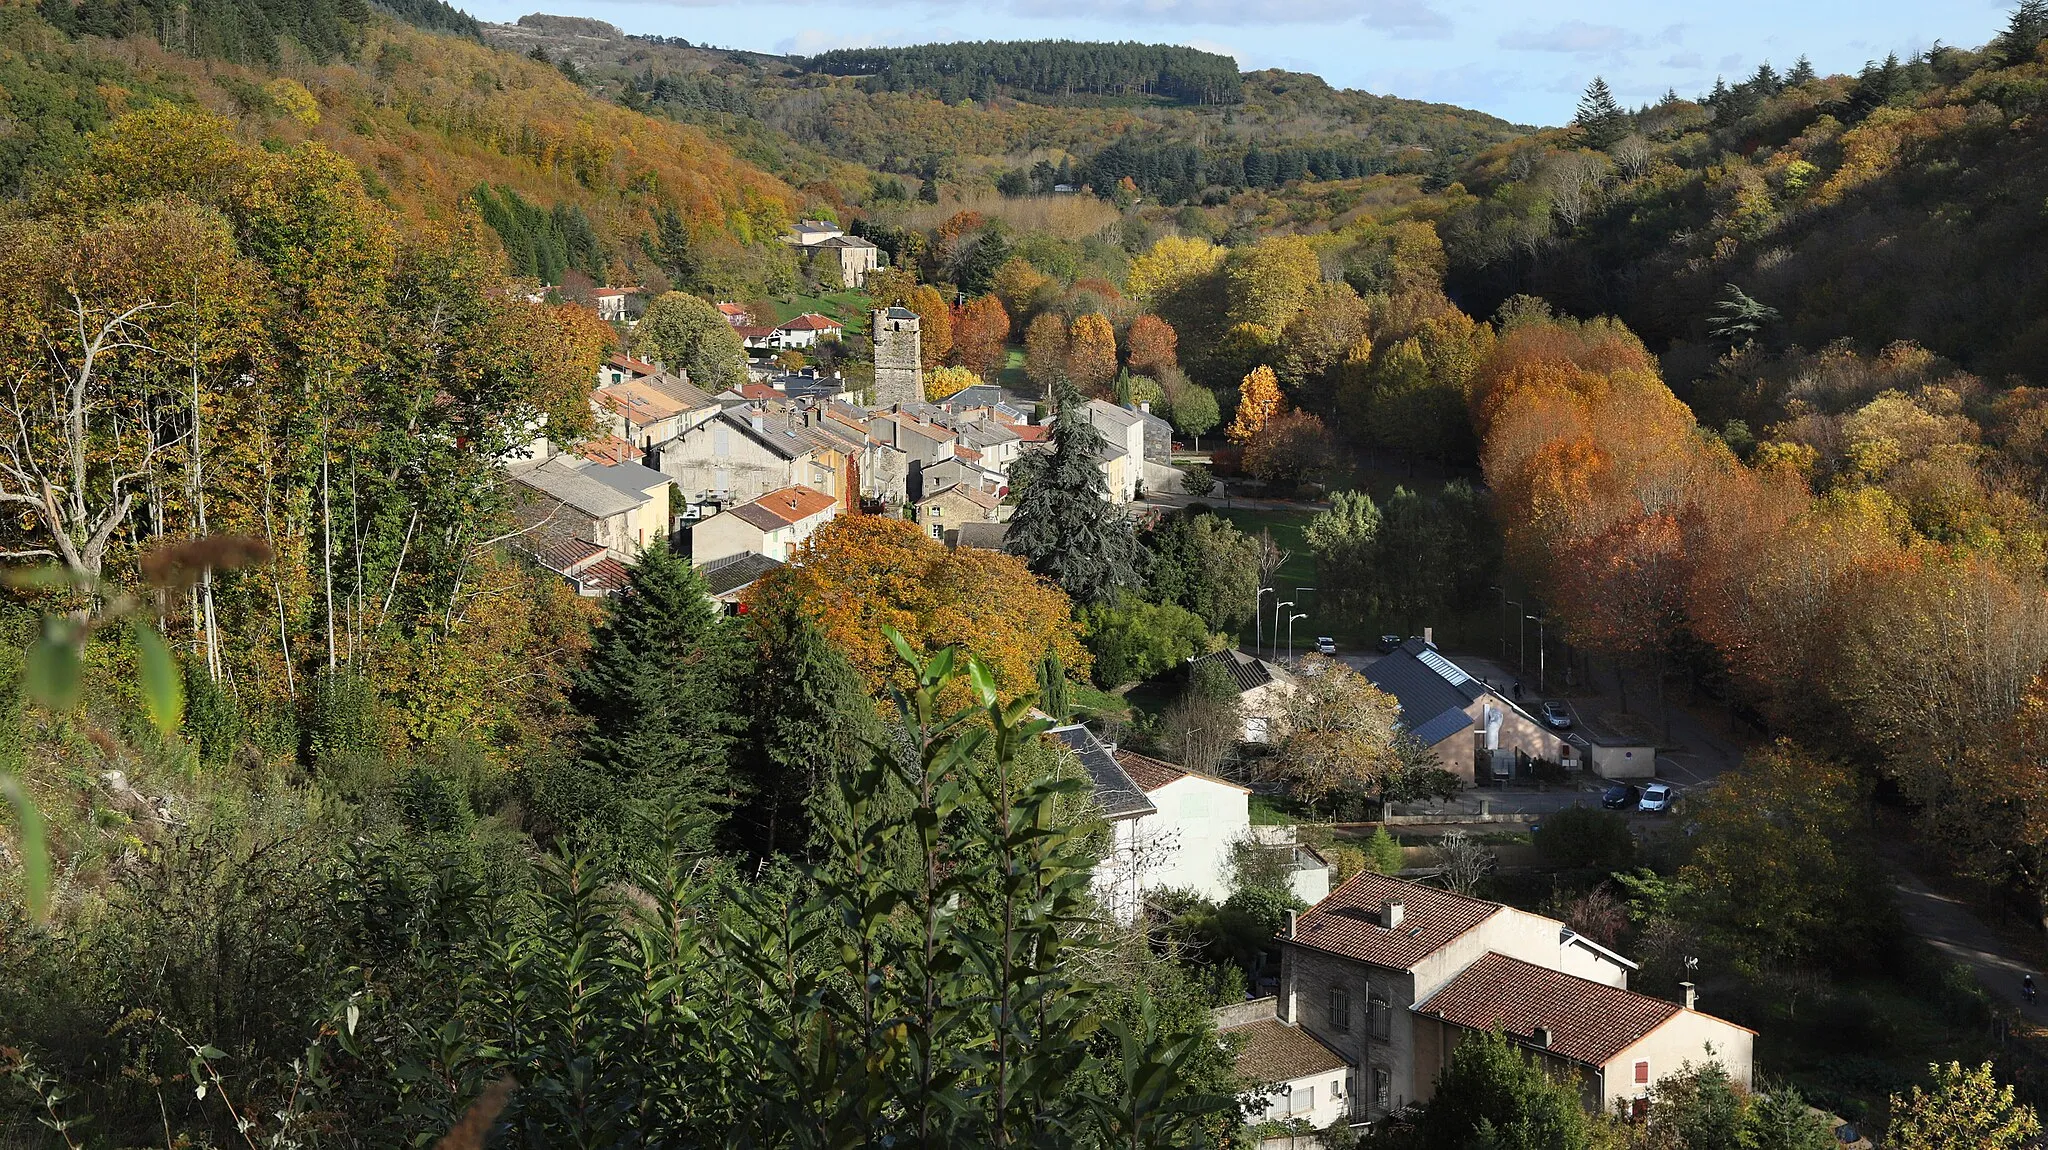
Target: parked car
(1656, 799)
(1389, 644)
(1325, 645)
(1557, 716)
(1620, 796)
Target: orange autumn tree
(1091, 353)
(981, 333)
(1151, 345)
(1258, 401)
(1045, 350)
(861, 573)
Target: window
(1340, 1008)
(1642, 1074)
(721, 441)
(1301, 1100)
(1379, 1017)
(1382, 1088)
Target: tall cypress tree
(657, 697)
(810, 720)
(1065, 527)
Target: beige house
(952, 507)
(1465, 721)
(1263, 689)
(1391, 974)
(650, 410)
(1295, 1076)
(771, 526)
(619, 507)
(833, 253)
(741, 454)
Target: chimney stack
(1392, 914)
(1692, 996)
(1293, 921)
(1429, 637)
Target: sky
(1525, 62)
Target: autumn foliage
(1258, 401)
(861, 573)
(1091, 353)
(981, 329)
(1151, 345)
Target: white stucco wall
(1688, 1036)
(1199, 820)
(1318, 1099)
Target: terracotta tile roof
(610, 449)
(607, 575)
(811, 321)
(732, 309)
(752, 390)
(972, 494)
(1149, 773)
(567, 557)
(1273, 1051)
(1032, 432)
(1347, 922)
(793, 504)
(1589, 1022)
(638, 401)
(754, 331)
(635, 366)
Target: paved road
(1952, 929)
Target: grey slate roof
(987, 536)
(1115, 791)
(1442, 727)
(773, 435)
(1247, 671)
(1430, 689)
(598, 490)
(724, 576)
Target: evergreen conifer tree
(656, 694)
(1600, 120)
(1065, 528)
(1802, 72)
(2024, 32)
(810, 720)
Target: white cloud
(1216, 46)
(1685, 60)
(1400, 19)
(1573, 37)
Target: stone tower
(899, 368)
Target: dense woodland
(328, 819)
(1040, 68)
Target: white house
(1295, 1075)
(772, 525)
(1195, 821)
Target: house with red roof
(807, 329)
(772, 525)
(1392, 975)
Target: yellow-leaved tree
(1258, 401)
(1091, 353)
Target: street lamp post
(1278, 606)
(1290, 634)
(1541, 661)
(1258, 619)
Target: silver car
(1656, 799)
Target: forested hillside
(1182, 124)
(1059, 69)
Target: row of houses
(757, 468)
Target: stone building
(899, 370)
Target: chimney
(1541, 1037)
(1145, 405)
(1692, 996)
(1392, 914)
(755, 419)
(1429, 637)
(1293, 921)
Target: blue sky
(1526, 62)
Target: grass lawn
(1012, 374)
(848, 307)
